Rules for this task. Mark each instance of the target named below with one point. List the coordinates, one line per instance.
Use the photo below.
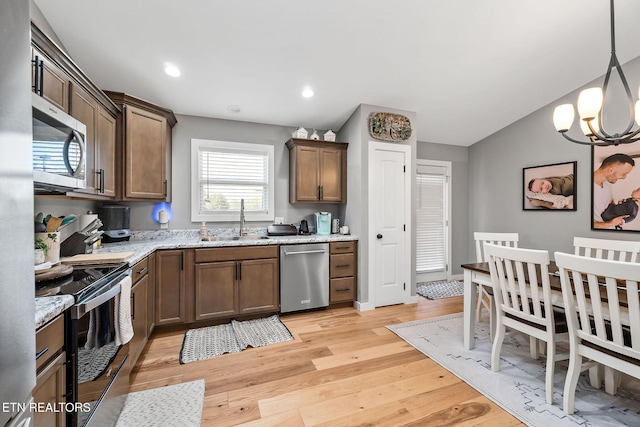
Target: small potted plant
(40, 250)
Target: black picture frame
(551, 187)
(626, 179)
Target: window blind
(227, 176)
(430, 219)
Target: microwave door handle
(82, 309)
(65, 152)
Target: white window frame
(198, 145)
(446, 273)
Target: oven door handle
(82, 309)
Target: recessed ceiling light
(307, 92)
(234, 108)
(171, 69)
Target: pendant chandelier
(590, 108)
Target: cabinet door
(331, 175)
(138, 319)
(258, 286)
(50, 390)
(52, 80)
(105, 158)
(145, 155)
(307, 173)
(170, 287)
(216, 290)
(85, 109)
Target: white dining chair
(599, 328)
(619, 250)
(485, 287)
(522, 293)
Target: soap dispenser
(204, 233)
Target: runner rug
(519, 385)
(178, 405)
(204, 343)
(442, 289)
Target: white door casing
(389, 223)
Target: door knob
(379, 236)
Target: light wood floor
(343, 369)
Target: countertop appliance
(304, 276)
(94, 289)
(282, 230)
(115, 220)
(323, 223)
(17, 311)
(304, 227)
(58, 144)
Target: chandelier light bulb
(563, 117)
(584, 126)
(590, 103)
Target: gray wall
(460, 234)
(355, 130)
(495, 176)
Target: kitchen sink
(230, 238)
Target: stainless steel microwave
(59, 162)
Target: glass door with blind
(433, 217)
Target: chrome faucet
(242, 230)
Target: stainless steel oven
(97, 368)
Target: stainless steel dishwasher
(304, 276)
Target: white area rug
(204, 343)
(178, 405)
(441, 289)
(519, 386)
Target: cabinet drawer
(139, 270)
(342, 265)
(49, 341)
(236, 253)
(342, 247)
(341, 290)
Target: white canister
(52, 240)
(344, 230)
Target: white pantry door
(390, 218)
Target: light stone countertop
(144, 248)
(48, 308)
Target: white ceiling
(468, 68)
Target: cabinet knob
(379, 236)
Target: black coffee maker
(115, 223)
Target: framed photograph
(615, 194)
(549, 187)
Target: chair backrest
(591, 291)
(619, 250)
(503, 239)
(521, 282)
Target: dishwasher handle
(317, 251)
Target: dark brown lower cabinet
(171, 287)
(236, 281)
(51, 373)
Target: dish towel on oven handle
(122, 313)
